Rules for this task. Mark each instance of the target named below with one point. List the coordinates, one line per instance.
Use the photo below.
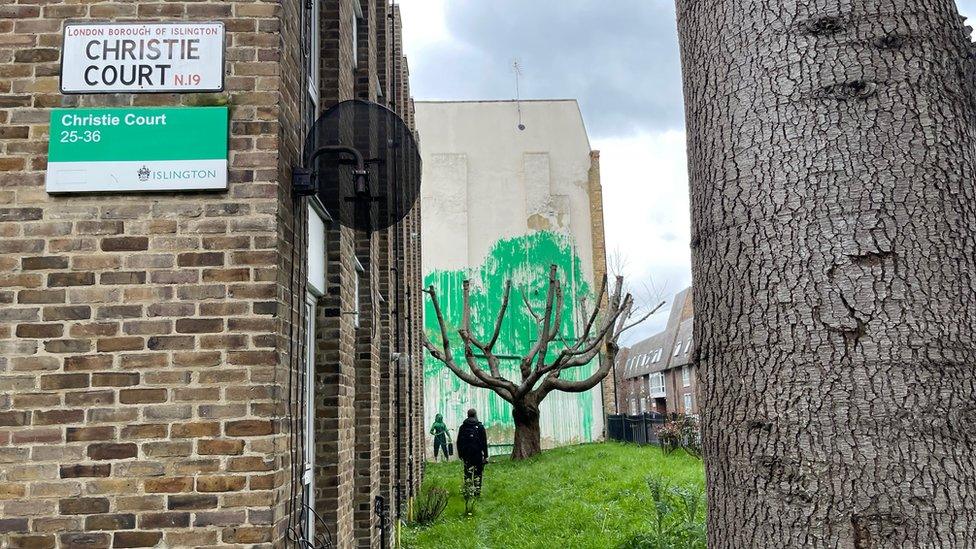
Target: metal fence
(640, 429)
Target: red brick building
(658, 373)
(155, 347)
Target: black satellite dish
(363, 163)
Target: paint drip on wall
(566, 418)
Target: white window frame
(686, 376)
(677, 349)
(688, 403)
(308, 476)
(360, 271)
(313, 86)
(357, 15)
(655, 383)
(688, 346)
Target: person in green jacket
(439, 430)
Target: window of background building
(686, 376)
(687, 403)
(677, 349)
(656, 383)
(688, 346)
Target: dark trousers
(473, 470)
(441, 443)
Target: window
(686, 376)
(312, 58)
(688, 346)
(677, 349)
(688, 403)
(315, 246)
(657, 355)
(357, 14)
(356, 304)
(308, 474)
(655, 384)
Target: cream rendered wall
(484, 180)
(516, 180)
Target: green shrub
(681, 432)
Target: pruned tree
(544, 365)
(832, 153)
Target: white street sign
(142, 57)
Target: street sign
(137, 149)
(142, 57)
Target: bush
(677, 519)
(681, 432)
(429, 506)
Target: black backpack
(469, 443)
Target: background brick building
(657, 374)
(152, 345)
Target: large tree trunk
(528, 437)
(831, 151)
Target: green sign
(137, 149)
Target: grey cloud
(619, 58)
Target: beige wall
(485, 180)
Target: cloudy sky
(619, 58)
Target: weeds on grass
(677, 519)
(429, 506)
(470, 492)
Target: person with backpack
(472, 448)
(439, 430)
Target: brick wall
(607, 386)
(140, 334)
(148, 343)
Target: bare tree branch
(526, 365)
(503, 387)
(501, 316)
(643, 318)
(444, 354)
(528, 307)
(600, 334)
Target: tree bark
(831, 162)
(528, 437)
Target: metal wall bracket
(302, 182)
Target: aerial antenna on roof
(517, 69)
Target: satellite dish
(365, 165)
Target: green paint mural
(566, 418)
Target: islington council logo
(145, 174)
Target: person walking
(472, 448)
(439, 430)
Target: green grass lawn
(587, 496)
